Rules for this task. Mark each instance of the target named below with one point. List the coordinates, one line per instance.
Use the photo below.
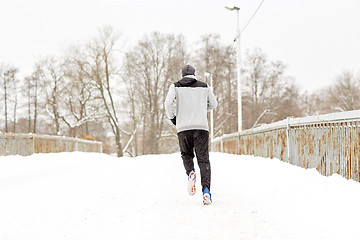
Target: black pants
(197, 140)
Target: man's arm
(212, 103)
(170, 104)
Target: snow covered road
(94, 196)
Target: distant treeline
(98, 90)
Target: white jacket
(189, 100)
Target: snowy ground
(82, 196)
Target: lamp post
(211, 112)
(238, 65)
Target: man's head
(188, 70)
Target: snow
(96, 196)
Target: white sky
(317, 39)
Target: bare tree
(100, 66)
(219, 60)
(345, 93)
(268, 92)
(14, 83)
(28, 94)
(51, 75)
(9, 85)
(151, 67)
(82, 103)
(5, 86)
(133, 101)
(254, 75)
(31, 90)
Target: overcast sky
(316, 39)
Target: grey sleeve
(170, 102)
(212, 103)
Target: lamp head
(232, 8)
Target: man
(186, 105)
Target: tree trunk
(118, 143)
(6, 105)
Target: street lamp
(232, 8)
(212, 111)
(238, 66)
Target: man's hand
(173, 120)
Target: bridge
(329, 142)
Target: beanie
(188, 70)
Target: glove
(173, 120)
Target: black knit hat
(188, 70)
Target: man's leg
(186, 144)
(201, 144)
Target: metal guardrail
(27, 144)
(330, 142)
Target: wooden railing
(27, 144)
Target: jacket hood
(187, 81)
